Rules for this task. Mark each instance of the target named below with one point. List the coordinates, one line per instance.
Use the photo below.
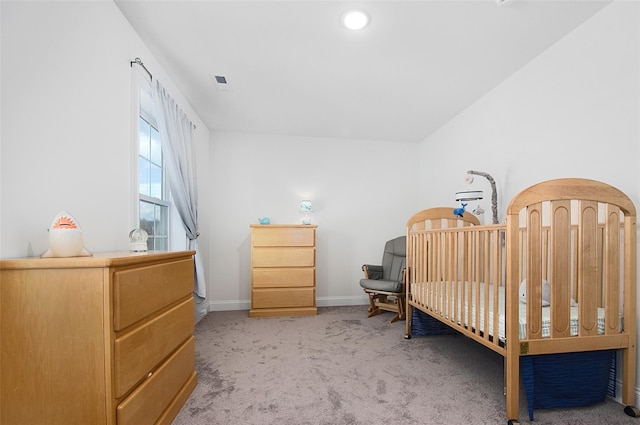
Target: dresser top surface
(97, 259)
(268, 226)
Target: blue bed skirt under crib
(549, 380)
(568, 379)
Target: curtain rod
(139, 62)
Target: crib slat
(438, 272)
(497, 283)
(611, 257)
(476, 281)
(486, 281)
(560, 267)
(574, 279)
(435, 284)
(429, 268)
(600, 283)
(588, 271)
(458, 245)
(451, 273)
(469, 304)
(423, 262)
(534, 271)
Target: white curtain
(176, 136)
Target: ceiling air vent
(221, 82)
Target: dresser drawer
(276, 298)
(283, 257)
(285, 277)
(139, 351)
(147, 402)
(139, 292)
(279, 236)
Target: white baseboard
(340, 301)
(320, 302)
(229, 305)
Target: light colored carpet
(341, 368)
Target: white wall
(362, 192)
(66, 124)
(571, 112)
(574, 111)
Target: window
(154, 198)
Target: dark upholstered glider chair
(385, 283)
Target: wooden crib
(572, 240)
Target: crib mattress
(420, 296)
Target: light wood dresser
(283, 270)
(106, 339)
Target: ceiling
(292, 69)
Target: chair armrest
(373, 272)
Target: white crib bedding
(419, 296)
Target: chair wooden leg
(401, 315)
(372, 303)
(402, 308)
(373, 308)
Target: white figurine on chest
(65, 238)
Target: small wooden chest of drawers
(106, 339)
(283, 270)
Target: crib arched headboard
(579, 235)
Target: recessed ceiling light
(355, 19)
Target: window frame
(142, 110)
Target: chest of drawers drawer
(137, 353)
(296, 236)
(146, 403)
(284, 257)
(283, 298)
(141, 291)
(283, 277)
